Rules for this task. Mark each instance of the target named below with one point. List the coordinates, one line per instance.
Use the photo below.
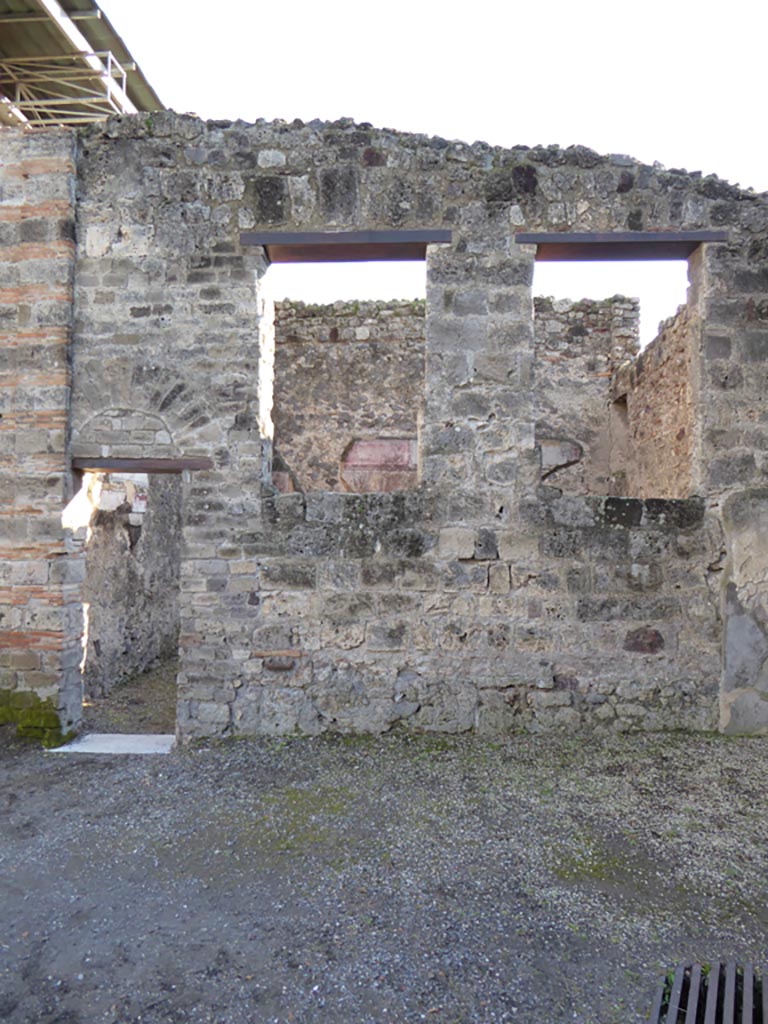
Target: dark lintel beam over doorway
(109, 465)
(345, 246)
(554, 246)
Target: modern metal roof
(62, 63)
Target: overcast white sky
(674, 81)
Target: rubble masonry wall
(481, 599)
(352, 371)
(578, 346)
(658, 393)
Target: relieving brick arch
(124, 433)
(169, 417)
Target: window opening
(616, 375)
(349, 375)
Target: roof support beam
(17, 19)
(76, 39)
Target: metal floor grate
(712, 994)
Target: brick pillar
(40, 609)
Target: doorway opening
(132, 551)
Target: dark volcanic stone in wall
(511, 183)
(269, 199)
(338, 191)
(644, 641)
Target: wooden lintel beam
(617, 245)
(110, 465)
(345, 246)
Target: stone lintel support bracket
(108, 465)
(345, 246)
(564, 246)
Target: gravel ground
(358, 880)
(145, 703)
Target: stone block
(485, 547)
(623, 512)
(644, 641)
(287, 575)
(552, 699)
(498, 578)
(386, 637)
(455, 543)
(745, 713)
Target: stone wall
(131, 588)
(578, 346)
(365, 620)
(481, 598)
(744, 695)
(40, 612)
(734, 356)
(657, 392)
(345, 373)
(304, 613)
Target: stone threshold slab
(118, 743)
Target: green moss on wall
(35, 719)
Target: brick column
(40, 609)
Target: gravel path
(541, 880)
(146, 703)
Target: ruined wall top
(346, 131)
(485, 594)
(347, 315)
(540, 183)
